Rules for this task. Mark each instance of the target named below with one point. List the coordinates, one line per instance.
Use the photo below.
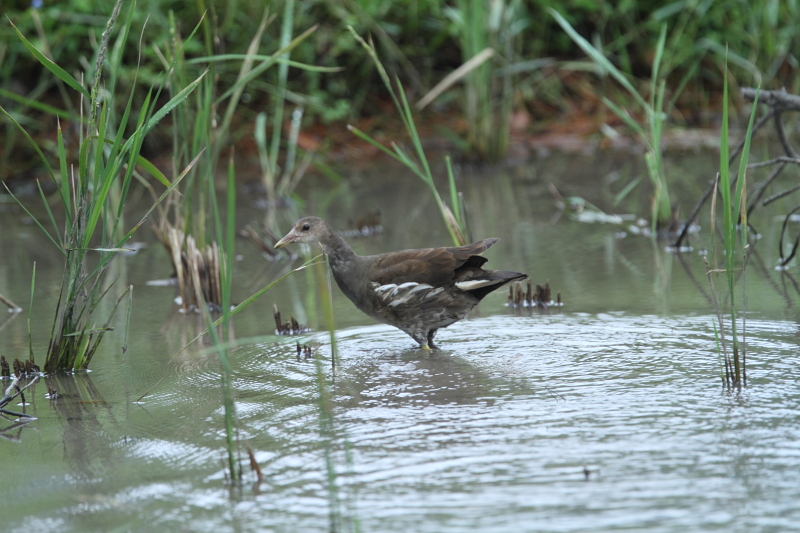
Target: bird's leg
(421, 340)
(431, 334)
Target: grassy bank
(541, 71)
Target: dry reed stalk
(196, 270)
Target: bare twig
(785, 261)
(11, 305)
(712, 184)
(780, 195)
(775, 161)
(779, 100)
(763, 187)
(9, 397)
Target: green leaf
(148, 166)
(626, 118)
(261, 57)
(258, 70)
(33, 143)
(35, 104)
(740, 185)
(173, 103)
(153, 170)
(60, 249)
(62, 74)
(597, 56)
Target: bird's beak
(288, 239)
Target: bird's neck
(348, 269)
(337, 249)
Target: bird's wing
(434, 266)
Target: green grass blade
(230, 240)
(679, 89)
(360, 134)
(662, 39)
(258, 70)
(63, 184)
(597, 56)
(62, 74)
(453, 192)
(624, 192)
(30, 314)
(100, 169)
(411, 164)
(378, 65)
(408, 118)
(152, 170)
(35, 104)
(32, 142)
(127, 320)
(740, 185)
(49, 211)
(260, 57)
(173, 103)
(627, 119)
(724, 175)
(36, 221)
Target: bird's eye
(306, 227)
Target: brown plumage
(417, 291)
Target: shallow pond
(605, 414)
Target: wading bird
(417, 291)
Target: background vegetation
(420, 41)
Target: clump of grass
(655, 111)
(92, 195)
(201, 125)
(490, 30)
(734, 215)
(454, 217)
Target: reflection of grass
(92, 195)
(226, 278)
(223, 342)
(329, 434)
(734, 197)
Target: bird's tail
(488, 281)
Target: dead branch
(779, 100)
(9, 397)
(14, 308)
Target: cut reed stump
(304, 352)
(539, 297)
(290, 327)
(22, 369)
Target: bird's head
(308, 229)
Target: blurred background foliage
(420, 41)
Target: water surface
(605, 414)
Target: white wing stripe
(384, 288)
(476, 284)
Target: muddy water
(604, 414)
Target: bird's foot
(425, 347)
